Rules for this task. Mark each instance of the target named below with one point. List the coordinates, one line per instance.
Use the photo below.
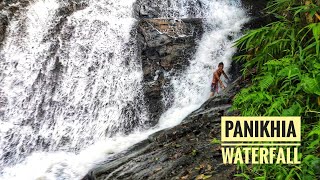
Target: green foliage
(194, 152)
(215, 141)
(284, 57)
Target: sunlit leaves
(311, 85)
(266, 81)
(293, 110)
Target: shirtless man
(216, 79)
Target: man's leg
(213, 89)
(216, 88)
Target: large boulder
(165, 47)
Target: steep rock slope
(182, 152)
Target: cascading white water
(99, 79)
(68, 90)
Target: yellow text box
(260, 129)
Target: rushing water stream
(70, 91)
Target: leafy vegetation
(284, 57)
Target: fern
(294, 110)
(286, 56)
(266, 81)
(311, 85)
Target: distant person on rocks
(216, 79)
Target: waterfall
(68, 86)
(71, 85)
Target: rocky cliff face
(167, 45)
(165, 48)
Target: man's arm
(225, 75)
(219, 80)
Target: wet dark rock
(182, 152)
(12, 8)
(3, 26)
(255, 9)
(146, 9)
(165, 48)
(154, 8)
